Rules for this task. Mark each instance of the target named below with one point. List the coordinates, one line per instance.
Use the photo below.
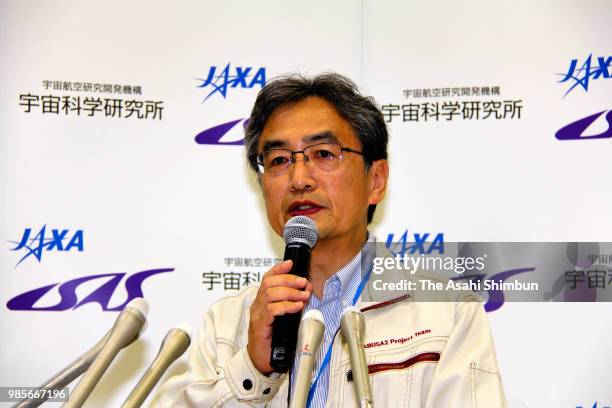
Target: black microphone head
(301, 229)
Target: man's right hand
(279, 293)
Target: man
(319, 149)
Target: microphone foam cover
(140, 305)
(351, 309)
(314, 314)
(184, 327)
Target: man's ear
(378, 175)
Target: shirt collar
(350, 275)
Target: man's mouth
(303, 208)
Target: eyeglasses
(324, 156)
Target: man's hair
(359, 111)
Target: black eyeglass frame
(259, 158)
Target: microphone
(309, 340)
(129, 324)
(69, 373)
(352, 325)
(173, 346)
(300, 234)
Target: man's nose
(300, 173)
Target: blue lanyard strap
(327, 357)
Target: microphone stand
(68, 374)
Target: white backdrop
(146, 196)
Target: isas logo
(213, 135)
(576, 130)
(427, 243)
(220, 81)
(68, 292)
(60, 240)
(580, 76)
(496, 297)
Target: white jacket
(420, 354)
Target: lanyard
(327, 357)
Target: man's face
(336, 200)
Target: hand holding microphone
(300, 234)
(283, 292)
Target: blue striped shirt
(338, 293)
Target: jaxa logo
(417, 243)
(60, 240)
(224, 79)
(594, 406)
(589, 71)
